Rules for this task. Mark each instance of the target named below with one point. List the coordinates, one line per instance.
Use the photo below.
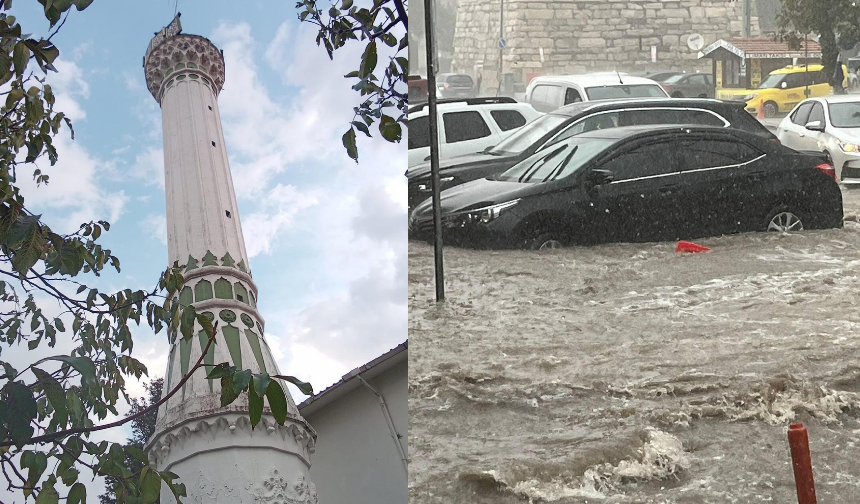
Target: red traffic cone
(685, 246)
(760, 114)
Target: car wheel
(545, 241)
(770, 109)
(783, 220)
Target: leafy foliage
(832, 20)
(143, 428)
(48, 408)
(342, 22)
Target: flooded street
(629, 373)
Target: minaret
(213, 449)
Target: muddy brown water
(627, 373)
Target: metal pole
(434, 147)
(747, 28)
(501, 49)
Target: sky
(325, 235)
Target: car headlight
(487, 214)
(849, 147)
(428, 187)
(750, 97)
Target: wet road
(629, 373)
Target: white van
(549, 92)
(466, 125)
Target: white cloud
(149, 166)
(274, 213)
(69, 86)
(155, 226)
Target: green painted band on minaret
(254, 341)
(203, 290)
(209, 359)
(231, 336)
(223, 289)
(185, 358)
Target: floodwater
(627, 373)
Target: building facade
(578, 36)
(362, 423)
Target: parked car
(574, 119)
(696, 85)
(658, 76)
(549, 92)
(641, 184)
(783, 89)
(451, 85)
(467, 125)
(830, 125)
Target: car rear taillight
(827, 169)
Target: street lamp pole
(501, 49)
(433, 119)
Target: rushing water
(629, 373)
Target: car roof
(574, 109)
(841, 98)
(797, 69)
(593, 79)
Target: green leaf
(255, 406)
(349, 142)
(83, 365)
(137, 453)
(206, 324)
(305, 387)
(150, 487)
(36, 462)
(241, 379)
(82, 4)
(20, 57)
(14, 97)
(186, 323)
(221, 370)
(22, 229)
(390, 128)
(261, 383)
(368, 60)
(55, 394)
(277, 402)
(346, 4)
(22, 410)
(360, 126)
(77, 494)
(227, 393)
(48, 496)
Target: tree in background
(49, 406)
(385, 22)
(836, 22)
(142, 428)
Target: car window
(526, 136)
(711, 153)
(650, 159)
(699, 80)
(460, 80)
(556, 162)
(591, 123)
(546, 98)
(419, 132)
(619, 91)
(463, 126)
(508, 119)
(817, 113)
(571, 96)
(668, 116)
(800, 115)
(845, 115)
(798, 79)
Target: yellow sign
(755, 73)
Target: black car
(690, 85)
(575, 119)
(452, 85)
(641, 184)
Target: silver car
(829, 124)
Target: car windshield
(526, 136)
(637, 91)
(772, 81)
(673, 79)
(845, 115)
(560, 162)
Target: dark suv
(581, 118)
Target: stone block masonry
(579, 36)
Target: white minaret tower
(213, 449)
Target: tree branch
(401, 13)
(81, 430)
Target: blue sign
(503, 43)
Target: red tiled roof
(767, 46)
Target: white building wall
(356, 460)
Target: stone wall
(578, 36)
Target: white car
(549, 92)
(466, 126)
(828, 124)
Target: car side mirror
(600, 177)
(814, 126)
(784, 85)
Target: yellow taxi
(784, 88)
